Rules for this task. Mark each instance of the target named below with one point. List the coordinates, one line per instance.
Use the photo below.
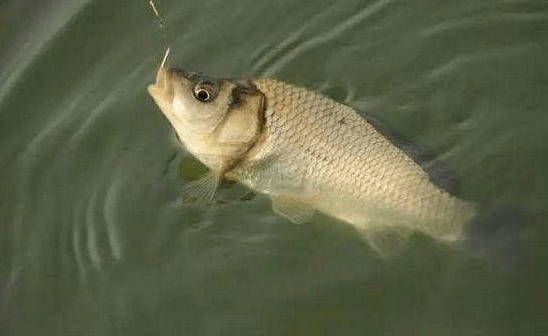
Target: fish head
(193, 103)
(217, 120)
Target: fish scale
(363, 167)
(309, 153)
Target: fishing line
(162, 30)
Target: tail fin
(502, 235)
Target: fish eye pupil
(205, 91)
(202, 95)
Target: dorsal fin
(440, 173)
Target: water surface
(94, 238)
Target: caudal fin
(501, 235)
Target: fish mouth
(163, 93)
(162, 90)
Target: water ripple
(91, 224)
(290, 40)
(461, 60)
(466, 23)
(65, 115)
(334, 33)
(112, 97)
(88, 231)
(30, 43)
(76, 243)
(109, 212)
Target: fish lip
(162, 90)
(163, 79)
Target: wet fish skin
(218, 132)
(310, 153)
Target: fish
(309, 154)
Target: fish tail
(500, 234)
(448, 223)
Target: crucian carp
(308, 153)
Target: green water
(94, 238)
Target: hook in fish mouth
(162, 75)
(165, 75)
(163, 79)
(162, 91)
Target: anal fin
(388, 241)
(292, 208)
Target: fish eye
(205, 91)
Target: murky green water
(94, 239)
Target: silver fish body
(310, 153)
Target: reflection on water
(94, 238)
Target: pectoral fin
(292, 208)
(202, 189)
